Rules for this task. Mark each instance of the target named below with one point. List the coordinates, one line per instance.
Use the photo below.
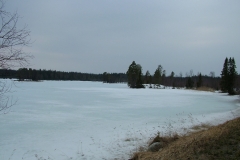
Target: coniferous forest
(38, 75)
(228, 82)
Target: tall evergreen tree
(228, 76)
(224, 76)
(139, 83)
(232, 76)
(147, 77)
(157, 76)
(134, 75)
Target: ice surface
(65, 120)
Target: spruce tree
(157, 76)
(228, 76)
(232, 76)
(147, 77)
(224, 76)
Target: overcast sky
(95, 36)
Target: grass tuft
(201, 127)
(208, 89)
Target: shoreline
(217, 142)
(205, 128)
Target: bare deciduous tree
(12, 42)
(5, 101)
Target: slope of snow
(91, 120)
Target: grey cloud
(98, 36)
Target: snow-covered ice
(64, 120)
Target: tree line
(228, 82)
(28, 74)
(134, 77)
(171, 80)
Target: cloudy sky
(107, 35)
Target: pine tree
(134, 75)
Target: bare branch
(6, 102)
(12, 41)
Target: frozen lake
(64, 120)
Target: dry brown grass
(208, 89)
(166, 139)
(218, 142)
(201, 127)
